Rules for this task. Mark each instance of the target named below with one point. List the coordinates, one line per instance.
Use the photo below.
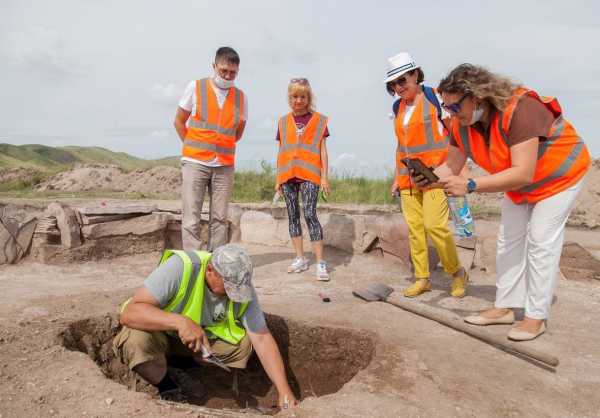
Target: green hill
(51, 159)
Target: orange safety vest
(212, 131)
(300, 157)
(420, 138)
(563, 159)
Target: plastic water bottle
(461, 216)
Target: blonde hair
(301, 85)
(472, 79)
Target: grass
(250, 186)
(258, 186)
(48, 159)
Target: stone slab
(96, 219)
(113, 209)
(68, 225)
(140, 225)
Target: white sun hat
(398, 65)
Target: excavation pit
(319, 361)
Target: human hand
(455, 185)
(325, 186)
(421, 181)
(287, 400)
(192, 335)
(394, 189)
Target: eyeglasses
(301, 81)
(455, 107)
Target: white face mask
(477, 112)
(221, 83)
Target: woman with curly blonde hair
(302, 171)
(537, 158)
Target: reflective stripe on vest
(211, 131)
(210, 147)
(300, 157)
(189, 299)
(562, 159)
(420, 138)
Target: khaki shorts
(135, 347)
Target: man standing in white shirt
(210, 119)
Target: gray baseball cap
(233, 263)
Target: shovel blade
(379, 289)
(374, 292)
(366, 295)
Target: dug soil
(345, 358)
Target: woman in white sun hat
(421, 134)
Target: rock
(339, 231)
(109, 401)
(466, 257)
(15, 238)
(392, 234)
(95, 219)
(235, 217)
(369, 242)
(66, 219)
(577, 263)
(117, 209)
(261, 228)
(140, 225)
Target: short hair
(420, 79)
(227, 54)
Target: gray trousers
(197, 178)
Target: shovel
(380, 292)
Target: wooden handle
(457, 323)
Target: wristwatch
(471, 186)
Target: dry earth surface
(405, 365)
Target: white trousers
(530, 241)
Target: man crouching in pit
(196, 299)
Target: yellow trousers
(426, 213)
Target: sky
(110, 73)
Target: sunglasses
(301, 81)
(455, 107)
(400, 81)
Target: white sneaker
(299, 265)
(322, 274)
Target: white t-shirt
(188, 102)
(408, 111)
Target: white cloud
(40, 49)
(161, 133)
(166, 93)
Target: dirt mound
(86, 178)
(21, 175)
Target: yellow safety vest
(189, 299)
